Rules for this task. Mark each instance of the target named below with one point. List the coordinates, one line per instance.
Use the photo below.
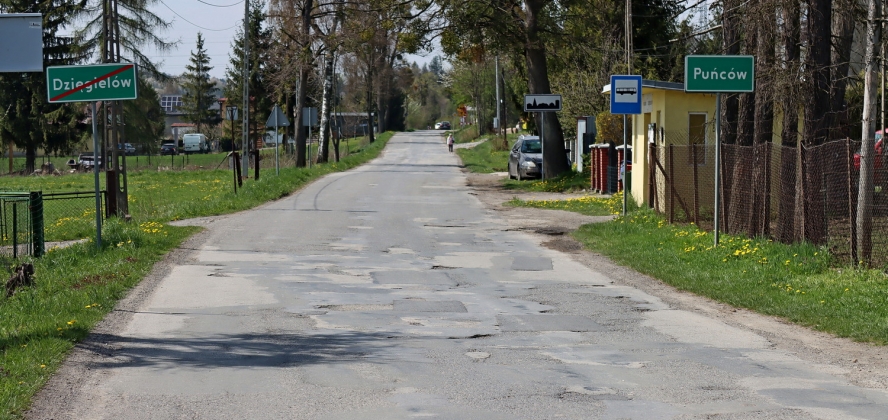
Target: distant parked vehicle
(526, 158)
(195, 143)
(127, 149)
(168, 149)
(86, 161)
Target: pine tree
(138, 26)
(198, 88)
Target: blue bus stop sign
(625, 94)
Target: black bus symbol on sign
(627, 91)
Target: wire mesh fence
(787, 194)
(70, 215)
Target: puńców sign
(719, 73)
(98, 82)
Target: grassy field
(76, 286)
(800, 283)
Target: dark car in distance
(127, 149)
(168, 149)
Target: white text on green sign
(719, 73)
(100, 82)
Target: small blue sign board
(625, 94)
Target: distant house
(171, 105)
(179, 129)
(175, 118)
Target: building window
(170, 103)
(696, 138)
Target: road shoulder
(861, 364)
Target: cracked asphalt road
(394, 291)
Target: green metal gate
(21, 224)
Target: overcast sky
(218, 25)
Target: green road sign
(99, 82)
(719, 73)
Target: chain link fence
(70, 216)
(787, 194)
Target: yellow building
(670, 116)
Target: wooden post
(696, 185)
(652, 175)
(852, 211)
(671, 184)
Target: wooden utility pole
(115, 177)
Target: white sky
(218, 25)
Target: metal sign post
(625, 98)
(277, 119)
(309, 118)
(232, 115)
(719, 74)
(96, 177)
(541, 104)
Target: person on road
(450, 142)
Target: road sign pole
(277, 164)
(96, 177)
(543, 145)
(623, 168)
(717, 165)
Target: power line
(201, 27)
(218, 5)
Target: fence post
(696, 185)
(652, 182)
(671, 183)
(35, 205)
(852, 212)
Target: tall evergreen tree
(198, 88)
(138, 27)
(27, 120)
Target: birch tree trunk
(326, 105)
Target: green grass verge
(75, 287)
(589, 205)
(567, 182)
(794, 282)
(487, 158)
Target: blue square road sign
(625, 94)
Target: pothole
(563, 245)
(552, 231)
